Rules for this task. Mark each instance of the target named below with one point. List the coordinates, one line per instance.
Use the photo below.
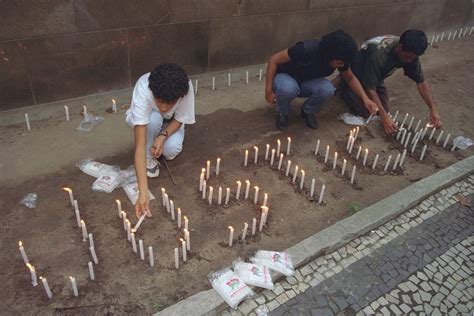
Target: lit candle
(179, 217)
(397, 159)
(288, 146)
(213, 86)
(247, 77)
(176, 258)
(267, 151)
(439, 137)
(344, 162)
(414, 144)
(403, 136)
(374, 165)
(227, 196)
(254, 226)
(74, 286)
(402, 159)
(71, 195)
(188, 239)
(247, 188)
(356, 133)
(172, 210)
(353, 174)
(432, 133)
(326, 156)
(263, 219)
(204, 189)
(142, 251)
(218, 166)
(321, 194)
(366, 154)
(228, 79)
(255, 159)
(358, 152)
(231, 235)
(411, 122)
(167, 203)
(76, 206)
(34, 280)
(134, 242)
(186, 222)
(163, 191)
(349, 140)
(91, 240)
(208, 169)
(244, 232)
(211, 193)
(46, 287)
(196, 87)
(446, 140)
(124, 220)
(27, 120)
(396, 115)
(399, 133)
(302, 179)
(84, 230)
(272, 159)
(255, 196)
(151, 256)
(423, 134)
(119, 208)
(334, 163)
(183, 249)
(94, 255)
(91, 271)
(423, 152)
(219, 196)
(449, 36)
(387, 163)
(417, 125)
(239, 185)
(278, 146)
(129, 231)
(316, 150)
(23, 252)
(288, 165)
(265, 199)
(454, 36)
(260, 75)
(311, 192)
(84, 111)
(295, 174)
(407, 140)
(246, 157)
(351, 146)
(66, 110)
(404, 120)
(280, 162)
(114, 106)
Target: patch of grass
(353, 208)
(158, 307)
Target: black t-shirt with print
(307, 62)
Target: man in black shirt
(300, 71)
(378, 59)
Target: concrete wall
(61, 49)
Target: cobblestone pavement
(419, 262)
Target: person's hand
(270, 97)
(142, 206)
(435, 119)
(388, 125)
(371, 106)
(157, 148)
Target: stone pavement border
(209, 302)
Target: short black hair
(168, 82)
(414, 41)
(338, 45)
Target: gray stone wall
(53, 50)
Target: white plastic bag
(131, 189)
(230, 287)
(277, 261)
(94, 168)
(89, 123)
(30, 200)
(253, 274)
(107, 183)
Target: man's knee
(327, 90)
(172, 149)
(286, 86)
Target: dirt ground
(231, 121)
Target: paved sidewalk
(421, 261)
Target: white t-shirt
(143, 103)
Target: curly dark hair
(168, 82)
(338, 45)
(414, 41)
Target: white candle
(432, 133)
(288, 165)
(316, 150)
(321, 194)
(255, 196)
(218, 166)
(278, 146)
(27, 120)
(176, 258)
(196, 87)
(446, 140)
(374, 165)
(423, 152)
(470, 31)
(288, 146)
(349, 140)
(84, 111)
(124, 220)
(94, 255)
(311, 192)
(366, 154)
(151, 256)
(265, 199)
(91, 240)
(167, 203)
(353, 174)
(344, 163)
(228, 79)
(272, 159)
(213, 83)
(140, 221)
(46, 287)
(403, 136)
(387, 163)
(267, 151)
(454, 36)
(114, 106)
(208, 169)
(397, 159)
(34, 279)
(260, 75)
(255, 158)
(334, 163)
(295, 174)
(183, 249)
(358, 152)
(227, 196)
(142, 251)
(280, 162)
(71, 195)
(414, 144)
(423, 134)
(351, 146)
(186, 222)
(163, 191)
(247, 77)
(172, 210)
(417, 125)
(91, 271)
(179, 217)
(231, 235)
(407, 140)
(263, 218)
(439, 137)
(411, 122)
(442, 36)
(449, 36)
(399, 133)
(129, 231)
(76, 206)
(66, 111)
(244, 232)
(356, 133)
(402, 159)
(239, 185)
(211, 193)
(302, 179)
(119, 208)
(188, 239)
(247, 188)
(84, 230)
(326, 155)
(219, 196)
(74, 286)
(204, 189)
(23, 252)
(254, 226)
(465, 30)
(134, 242)
(404, 120)
(246, 157)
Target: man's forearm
(372, 94)
(425, 92)
(356, 87)
(140, 157)
(270, 75)
(172, 127)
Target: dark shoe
(281, 121)
(310, 120)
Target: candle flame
(278, 141)
(186, 231)
(163, 189)
(113, 100)
(302, 171)
(366, 150)
(255, 187)
(30, 267)
(230, 228)
(255, 147)
(67, 189)
(289, 139)
(238, 182)
(247, 181)
(71, 278)
(41, 278)
(185, 217)
(117, 201)
(82, 222)
(20, 244)
(268, 145)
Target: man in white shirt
(162, 103)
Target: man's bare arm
(425, 92)
(279, 58)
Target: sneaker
(281, 121)
(310, 119)
(152, 168)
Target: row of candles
(274, 152)
(440, 37)
(263, 222)
(229, 80)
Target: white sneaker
(152, 168)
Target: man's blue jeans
(286, 88)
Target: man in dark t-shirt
(300, 71)
(378, 59)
